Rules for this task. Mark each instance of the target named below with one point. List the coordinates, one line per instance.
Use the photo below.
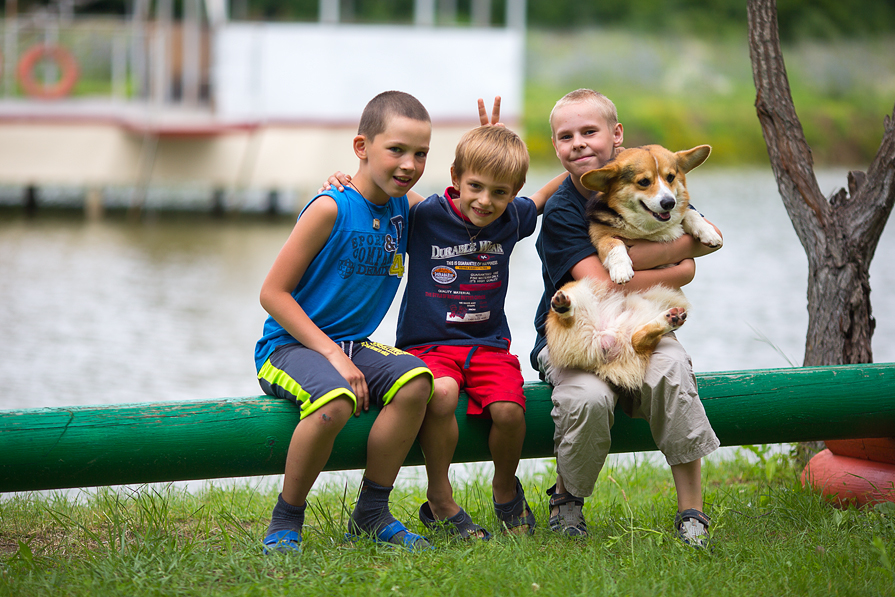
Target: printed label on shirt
(443, 274)
(483, 247)
(461, 315)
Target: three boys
(315, 349)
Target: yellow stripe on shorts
(278, 377)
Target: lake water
(113, 311)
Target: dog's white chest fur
(643, 195)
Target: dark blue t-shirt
(456, 284)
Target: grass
(770, 536)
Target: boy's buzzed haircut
(388, 104)
(588, 96)
(494, 151)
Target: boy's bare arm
(674, 276)
(306, 240)
(647, 255)
(541, 196)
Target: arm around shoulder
(541, 196)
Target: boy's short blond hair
(493, 151)
(588, 96)
(387, 105)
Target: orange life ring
(68, 68)
(846, 480)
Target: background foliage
(678, 70)
(799, 19)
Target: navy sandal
(516, 512)
(459, 525)
(282, 542)
(692, 527)
(391, 536)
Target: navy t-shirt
(456, 285)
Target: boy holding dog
(586, 134)
(327, 291)
(452, 317)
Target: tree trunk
(839, 234)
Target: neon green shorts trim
(306, 378)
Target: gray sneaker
(569, 518)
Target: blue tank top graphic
(350, 284)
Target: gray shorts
(305, 377)
(584, 411)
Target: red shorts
(487, 374)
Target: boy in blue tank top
(326, 292)
(452, 316)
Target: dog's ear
(599, 180)
(689, 159)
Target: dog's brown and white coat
(642, 193)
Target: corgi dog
(642, 193)
(595, 327)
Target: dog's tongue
(664, 217)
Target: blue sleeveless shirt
(457, 286)
(350, 284)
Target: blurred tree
(839, 234)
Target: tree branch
(789, 152)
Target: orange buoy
(877, 449)
(68, 68)
(848, 480)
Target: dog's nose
(667, 203)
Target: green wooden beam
(81, 446)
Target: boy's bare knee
(339, 409)
(417, 390)
(507, 414)
(444, 398)
(333, 414)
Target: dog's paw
(699, 228)
(621, 273)
(706, 234)
(711, 239)
(675, 317)
(561, 303)
(619, 265)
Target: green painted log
(62, 447)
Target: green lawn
(770, 537)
